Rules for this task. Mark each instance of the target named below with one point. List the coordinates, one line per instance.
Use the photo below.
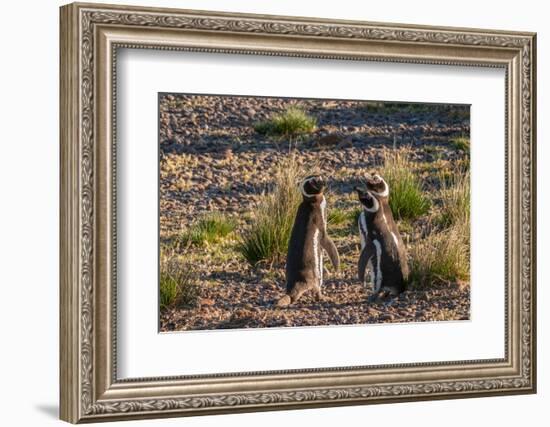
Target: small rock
(372, 312)
(206, 302)
(461, 284)
(228, 153)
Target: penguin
(382, 250)
(304, 263)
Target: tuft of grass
(337, 216)
(207, 230)
(293, 121)
(178, 287)
(441, 257)
(461, 143)
(455, 198)
(268, 235)
(407, 198)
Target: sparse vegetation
(292, 122)
(407, 198)
(268, 235)
(337, 216)
(209, 229)
(461, 143)
(455, 198)
(441, 257)
(178, 287)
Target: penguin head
(368, 200)
(376, 185)
(312, 185)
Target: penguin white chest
(318, 257)
(378, 272)
(319, 251)
(323, 207)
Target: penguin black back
(300, 256)
(304, 266)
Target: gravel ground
(242, 303)
(212, 160)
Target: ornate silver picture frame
(91, 390)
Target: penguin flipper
(363, 262)
(328, 245)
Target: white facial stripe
(386, 189)
(375, 205)
(378, 275)
(303, 185)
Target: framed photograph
(266, 212)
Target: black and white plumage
(308, 239)
(382, 250)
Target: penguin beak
(372, 180)
(318, 183)
(321, 182)
(361, 193)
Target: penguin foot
(283, 302)
(389, 300)
(388, 296)
(373, 298)
(382, 297)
